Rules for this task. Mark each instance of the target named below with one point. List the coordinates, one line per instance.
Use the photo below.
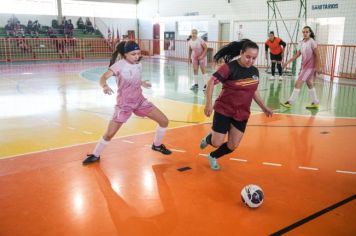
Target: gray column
(59, 8)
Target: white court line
(72, 128)
(127, 141)
(56, 123)
(237, 159)
(271, 164)
(177, 150)
(93, 142)
(146, 145)
(202, 154)
(307, 168)
(346, 172)
(87, 132)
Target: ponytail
(119, 49)
(233, 49)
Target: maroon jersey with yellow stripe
(239, 86)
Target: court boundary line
(79, 144)
(313, 216)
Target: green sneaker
(312, 106)
(213, 163)
(286, 104)
(203, 142)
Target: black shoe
(91, 159)
(161, 148)
(194, 87)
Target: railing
(336, 61)
(345, 62)
(26, 49)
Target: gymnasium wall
(117, 23)
(251, 14)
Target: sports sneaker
(286, 104)
(162, 149)
(312, 106)
(91, 158)
(280, 78)
(271, 78)
(213, 163)
(194, 87)
(203, 142)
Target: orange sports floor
(303, 164)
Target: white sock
(205, 78)
(195, 77)
(159, 136)
(312, 94)
(99, 148)
(294, 96)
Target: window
(98, 9)
(34, 7)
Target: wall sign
(325, 6)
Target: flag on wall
(117, 35)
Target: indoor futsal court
(54, 113)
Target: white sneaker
(271, 78)
(280, 78)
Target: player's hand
(107, 90)
(146, 84)
(284, 65)
(190, 60)
(208, 110)
(268, 111)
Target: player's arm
(261, 104)
(266, 50)
(283, 44)
(103, 84)
(317, 59)
(205, 47)
(190, 55)
(292, 59)
(208, 110)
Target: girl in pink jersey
(197, 56)
(240, 81)
(128, 72)
(310, 63)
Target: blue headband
(131, 47)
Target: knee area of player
(108, 137)
(164, 122)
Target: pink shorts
(202, 62)
(122, 114)
(306, 74)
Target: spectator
(18, 30)
(80, 23)
(36, 28)
(68, 29)
(88, 26)
(9, 29)
(51, 33)
(29, 28)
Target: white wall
(252, 13)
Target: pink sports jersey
(308, 59)
(129, 93)
(197, 47)
(306, 48)
(128, 79)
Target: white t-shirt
(196, 46)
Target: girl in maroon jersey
(239, 80)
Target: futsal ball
(252, 195)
